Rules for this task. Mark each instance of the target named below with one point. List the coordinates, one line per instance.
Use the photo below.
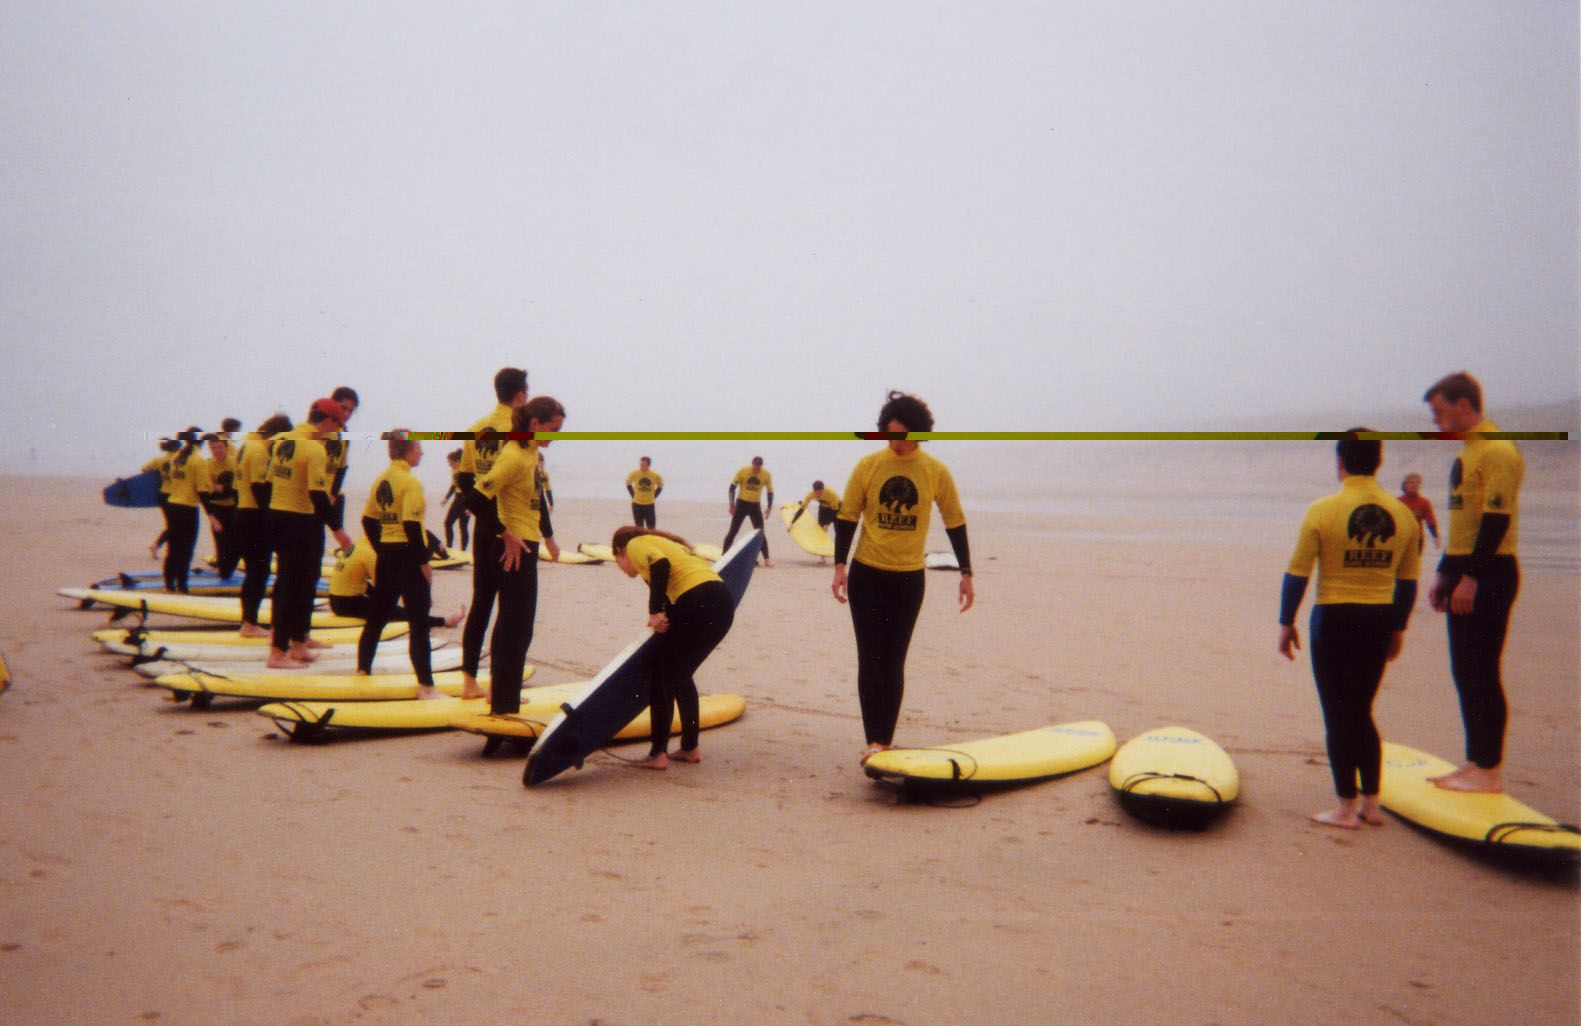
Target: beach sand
(168, 865)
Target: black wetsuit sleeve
(1490, 532)
(545, 526)
(1404, 602)
(324, 507)
(1290, 595)
(262, 492)
(337, 512)
(488, 514)
(206, 500)
(963, 551)
(632, 491)
(373, 531)
(414, 538)
(464, 482)
(844, 534)
(658, 584)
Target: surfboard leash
(1499, 833)
(1130, 784)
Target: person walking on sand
(644, 486)
(1478, 576)
(690, 609)
(746, 487)
(1368, 554)
(456, 515)
(892, 493)
(1417, 503)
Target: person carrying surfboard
(509, 504)
(1367, 548)
(479, 450)
(746, 487)
(691, 610)
(1478, 576)
(891, 493)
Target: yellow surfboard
(339, 687)
(5, 674)
(1495, 820)
(1174, 776)
(805, 532)
(312, 721)
(193, 607)
(597, 550)
(1021, 758)
(712, 711)
(149, 640)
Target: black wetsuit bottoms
(884, 607)
(485, 585)
(252, 540)
(456, 515)
(182, 524)
(1476, 642)
(1350, 648)
(644, 516)
(361, 608)
(299, 559)
(398, 577)
(747, 511)
(699, 621)
(518, 595)
(226, 552)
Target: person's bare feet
(1472, 779)
(300, 653)
(315, 643)
(686, 755)
(1371, 814)
(1343, 817)
(252, 630)
(470, 688)
(279, 660)
(873, 749)
(456, 617)
(427, 692)
(654, 762)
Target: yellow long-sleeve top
(1485, 478)
(749, 484)
(686, 570)
(1362, 540)
(222, 471)
(643, 483)
(513, 483)
(395, 499)
(893, 497)
(296, 467)
(826, 498)
(252, 467)
(189, 477)
(477, 457)
(353, 573)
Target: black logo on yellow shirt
(284, 453)
(1457, 474)
(334, 448)
(384, 497)
(898, 495)
(1369, 524)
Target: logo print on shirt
(1369, 524)
(384, 496)
(1456, 476)
(898, 495)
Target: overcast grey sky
(735, 216)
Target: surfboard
(280, 687)
(312, 721)
(1495, 822)
(1174, 777)
(712, 711)
(597, 550)
(568, 556)
(148, 639)
(805, 532)
(940, 561)
(5, 674)
(708, 551)
(386, 659)
(197, 584)
(1020, 758)
(197, 652)
(193, 607)
(619, 692)
(140, 491)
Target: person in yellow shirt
(299, 510)
(509, 504)
(644, 486)
(337, 451)
(828, 505)
(746, 489)
(690, 609)
(891, 493)
(252, 529)
(168, 447)
(222, 503)
(1367, 547)
(190, 487)
(1478, 575)
(351, 582)
(478, 452)
(392, 521)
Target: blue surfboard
(139, 491)
(620, 691)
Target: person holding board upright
(1478, 576)
(644, 486)
(891, 493)
(1367, 549)
(746, 487)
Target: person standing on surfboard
(509, 504)
(299, 511)
(1478, 576)
(690, 608)
(644, 486)
(392, 522)
(745, 488)
(478, 453)
(892, 493)
(1367, 548)
(254, 538)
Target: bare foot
(252, 630)
(300, 653)
(1472, 779)
(279, 660)
(427, 692)
(872, 750)
(1341, 817)
(456, 617)
(315, 643)
(473, 692)
(1372, 817)
(654, 762)
(686, 755)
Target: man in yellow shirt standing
(746, 488)
(644, 486)
(299, 510)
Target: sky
(1051, 216)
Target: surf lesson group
(283, 485)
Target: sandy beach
(169, 865)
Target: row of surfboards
(1171, 776)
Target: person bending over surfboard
(1367, 548)
(828, 507)
(509, 504)
(1478, 576)
(690, 608)
(892, 492)
(749, 483)
(478, 453)
(254, 539)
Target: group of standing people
(1366, 546)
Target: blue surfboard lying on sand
(138, 491)
(620, 691)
